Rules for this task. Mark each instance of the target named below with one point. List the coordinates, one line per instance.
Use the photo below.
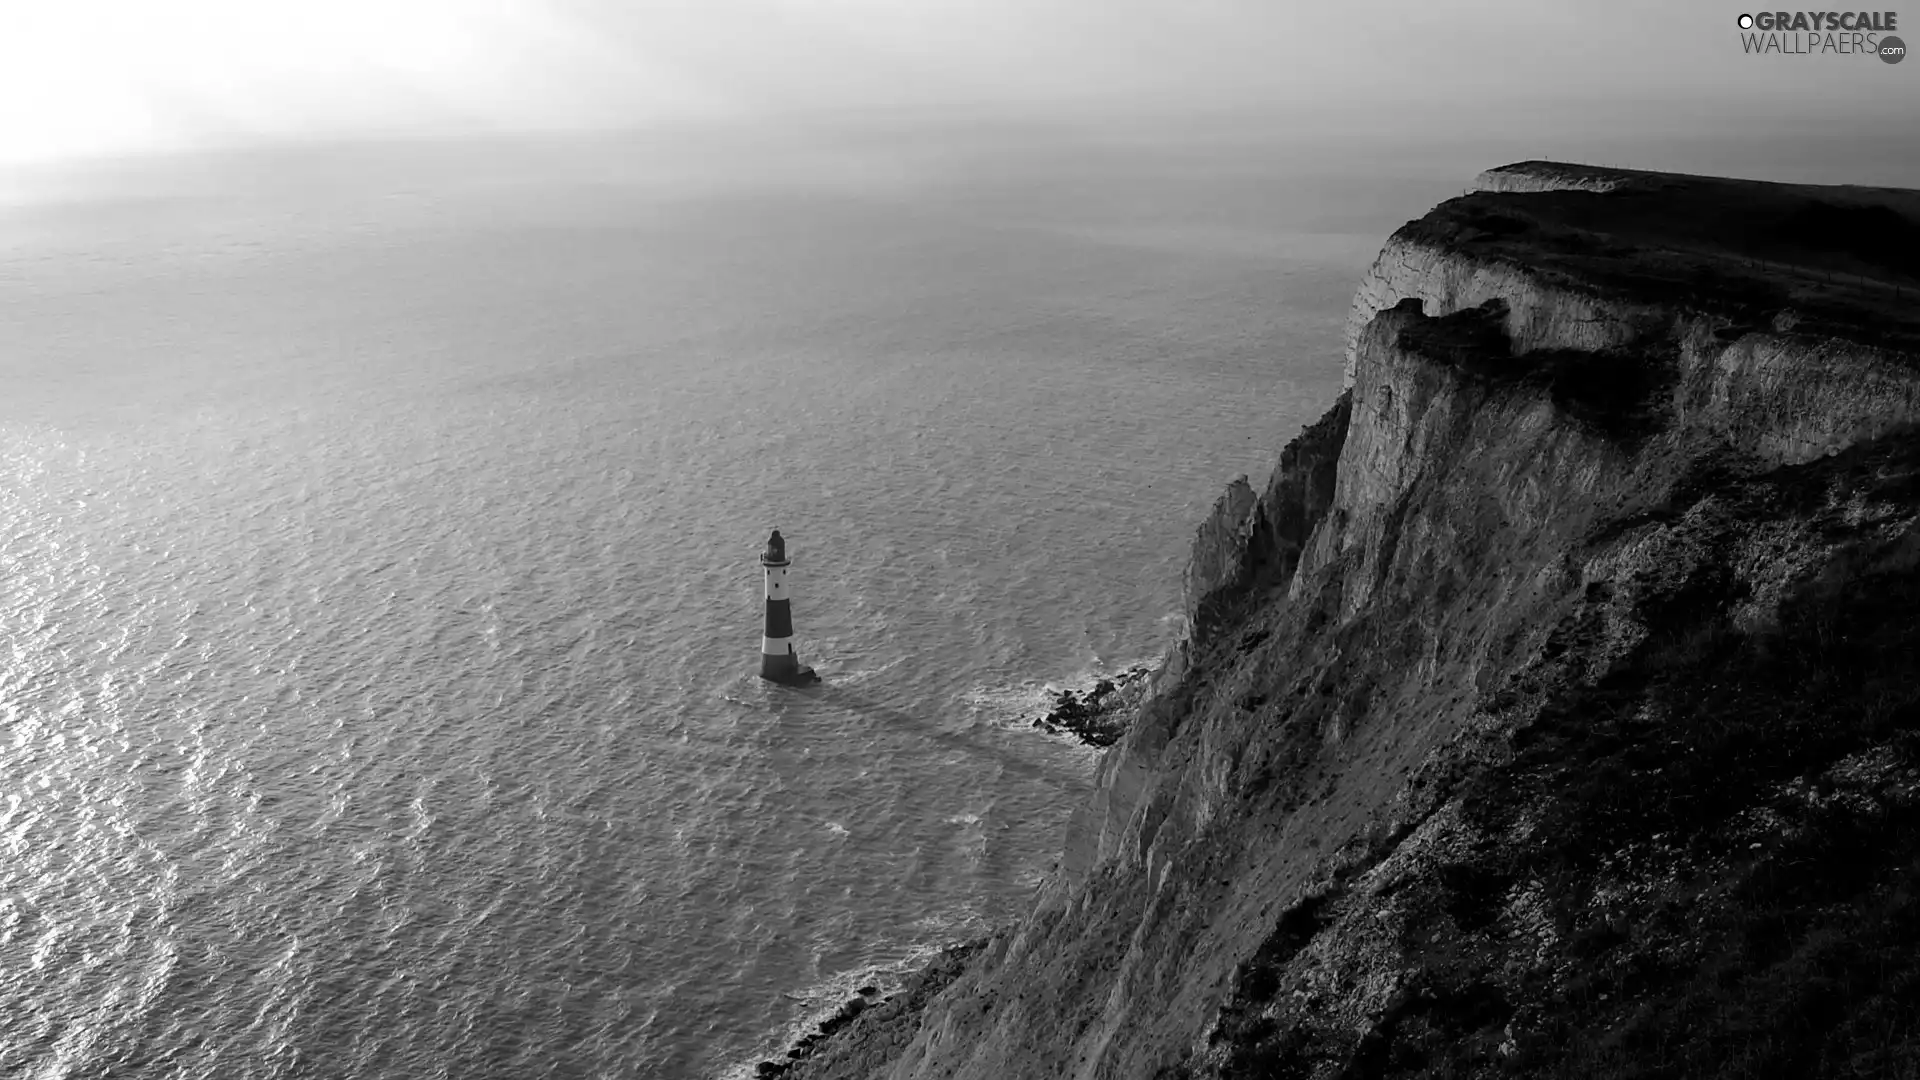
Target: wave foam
(1017, 705)
(824, 998)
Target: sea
(379, 593)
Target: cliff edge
(1550, 710)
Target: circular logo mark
(1746, 22)
(1892, 49)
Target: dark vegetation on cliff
(1616, 392)
(1724, 833)
(1846, 259)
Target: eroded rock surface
(1551, 709)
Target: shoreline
(1094, 710)
(1097, 715)
(861, 1018)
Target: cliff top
(1837, 260)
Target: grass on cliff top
(1845, 259)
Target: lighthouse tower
(778, 662)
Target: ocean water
(378, 530)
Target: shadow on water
(837, 697)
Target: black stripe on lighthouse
(779, 618)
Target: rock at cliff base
(1102, 714)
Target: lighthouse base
(786, 669)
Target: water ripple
(377, 690)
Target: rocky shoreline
(851, 1040)
(863, 998)
(1100, 715)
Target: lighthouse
(778, 662)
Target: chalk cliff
(1550, 710)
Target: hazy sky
(89, 76)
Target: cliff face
(1549, 709)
